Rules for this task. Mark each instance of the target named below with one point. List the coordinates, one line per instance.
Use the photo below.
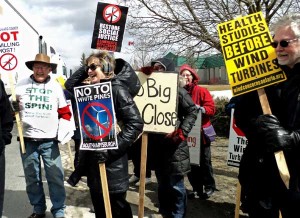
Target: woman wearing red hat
(201, 176)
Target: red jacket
(203, 98)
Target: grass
(216, 87)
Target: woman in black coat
(125, 85)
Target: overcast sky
(67, 25)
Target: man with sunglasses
(264, 192)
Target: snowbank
(220, 94)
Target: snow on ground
(220, 94)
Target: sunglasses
(92, 67)
(282, 43)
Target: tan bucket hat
(41, 58)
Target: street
(16, 203)
(78, 203)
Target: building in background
(210, 68)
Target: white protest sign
(157, 101)
(237, 143)
(194, 141)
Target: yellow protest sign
(248, 54)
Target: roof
(202, 62)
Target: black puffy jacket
(125, 85)
(258, 172)
(6, 119)
(165, 155)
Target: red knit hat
(196, 77)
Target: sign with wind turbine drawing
(97, 116)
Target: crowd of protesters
(264, 192)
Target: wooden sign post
(143, 175)
(105, 191)
(17, 115)
(71, 156)
(237, 201)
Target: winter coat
(258, 174)
(200, 95)
(6, 119)
(173, 158)
(125, 85)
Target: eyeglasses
(92, 67)
(186, 75)
(40, 67)
(282, 43)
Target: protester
(41, 103)
(6, 126)
(265, 192)
(102, 67)
(201, 176)
(172, 160)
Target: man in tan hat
(41, 103)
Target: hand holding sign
(276, 137)
(177, 136)
(102, 156)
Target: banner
(109, 27)
(97, 116)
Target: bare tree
(82, 60)
(190, 26)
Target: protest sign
(194, 141)
(248, 54)
(237, 143)
(97, 116)
(109, 27)
(157, 101)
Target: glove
(228, 108)
(202, 109)
(101, 156)
(15, 106)
(275, 136)
(147, 70)
(177, 136)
